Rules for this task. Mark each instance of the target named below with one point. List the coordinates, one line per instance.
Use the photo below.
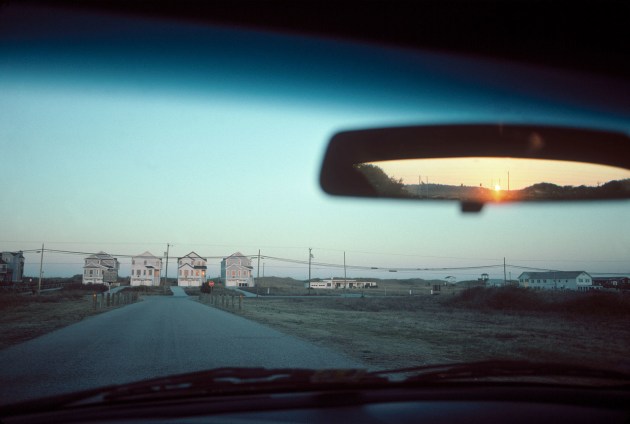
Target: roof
(146, 254)
(18, 254)
(192, 255)
(100, 255)
(554, 275)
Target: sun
(497, 187)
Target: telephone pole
(504, 273)
(310, 256)
(258, 271)
(41, 271)
(166, 271)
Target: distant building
(618, 283)
(191, 270)
(341, 283)
(557, 280)
(499, 282)
(236, 271)
(145, 270)
(100, 268)
(11, 267)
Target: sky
(125, 136)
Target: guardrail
(222, 300)
(108, 300)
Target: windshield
(161, 211)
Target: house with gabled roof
(236, 271)
(11, 267)
(146, 269)
(100, 268)
(191, 270)
(557, 280)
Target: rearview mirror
(478, 164)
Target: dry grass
(406, 331)
(25, 316)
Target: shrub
(91, 288)
(522, 299)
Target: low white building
(191, 270)
(146, 269)
(100, 268)
(236, 271)
(557, 280)
(341, 284)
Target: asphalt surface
(158, 336)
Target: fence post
(94, 300)
(240, 301)
(232, 300)
(109, 299)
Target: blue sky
(124, 143)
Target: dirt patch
(416, 330)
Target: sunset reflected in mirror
(496, 179)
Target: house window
(150, 272)
(186, 273)
(91, 273)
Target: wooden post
(94, 300)
(240, 301)
(109, 300)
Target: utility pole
(504, 273)
(166, 271)
(41, 271)
(258, 271)
(310, 256)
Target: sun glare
(497, 187)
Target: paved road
(159, 336)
